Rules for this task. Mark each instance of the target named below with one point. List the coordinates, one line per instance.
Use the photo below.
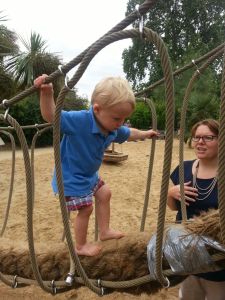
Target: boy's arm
(47, 103)
(136, 134)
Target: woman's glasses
(205, 138)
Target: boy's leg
(102, 197)
(191, 289)
(80, 229)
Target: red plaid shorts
(76, 203)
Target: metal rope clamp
(7, 109)
(69, 279)
(100, 286)
(66, 77)
(15, 282)
(193, 61)
(168, 283)
(38, 131)
(53, 286)
(6, 114)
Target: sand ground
(127, 181)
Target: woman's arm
(172, 192)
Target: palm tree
(8, 47)
(7, 40)
(26, 66)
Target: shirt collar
(95, 128)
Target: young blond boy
(86, 135)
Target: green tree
(19, 69)
(189, 30)
(8, 47)
(28, 65)
(75, 102)
(24, 67)
(141, 117)
(187, 26)
(8, 40)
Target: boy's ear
(96, 108)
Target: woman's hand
(190, 193)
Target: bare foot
(111, 234)
(88, 249)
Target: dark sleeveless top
(195, 208)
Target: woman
(201, 194)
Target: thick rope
(85, 60)
(143, 8)
(35, 126)
(164, 272)
(56, 137)
(221, 182)
(13, 148)
(150, 165)
(216, 257)
(181, 70)
(121, 35)
(33, 144)
(195, 76)
(169, 94)
(29, 187)
(151, 36)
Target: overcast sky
(69, 27)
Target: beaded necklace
(203, 192)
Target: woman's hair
(113, 90)
(213, 125)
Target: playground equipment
(77, 274)
(111, 155)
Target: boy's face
(111, 118)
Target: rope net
(52, 278)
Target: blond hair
(113, 90)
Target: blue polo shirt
(82, 149)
